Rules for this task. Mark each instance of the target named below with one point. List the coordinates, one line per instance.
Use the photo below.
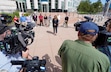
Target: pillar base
(65, 11)
(53, 10)
(59, 10)
(36, 10)
(29, 10)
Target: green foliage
(26, 14)
(97, 6)
(12, 14)
(9, 19)
(16, 13)
(84, 6)
(88, 7)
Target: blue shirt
(23, 19)
(6, 64)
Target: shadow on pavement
(50, 32)
(50, 67)
(58, 60)
(67, 27)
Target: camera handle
(20, 38)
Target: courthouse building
(39, 5)
(7, 6)
(48, 5)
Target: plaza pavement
(46, 44)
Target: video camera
(19, 39)
(5, 18)
(34, 65)
(17, 42)
(104, 37)
(77, 24)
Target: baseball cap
(86, 28)
(3, 28)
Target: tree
(97, 6)
(84, 6)
(88, 7)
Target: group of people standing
(50, 22)
(22, 21)
(43, 19)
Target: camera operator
(106, 49)
(5, 59)
(80, 55)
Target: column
(47, 7)
(18, 5)
(35, 4)
(59, 6)
(22, 7)
(41, 7)
(28, 4)
(53, 5)
(66, 5)
(25, 7)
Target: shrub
(26, 14)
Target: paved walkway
(46, 44)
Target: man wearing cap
(5, 59)
(104, 45)
(80, 55)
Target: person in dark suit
(66, 21)
(55, 24)
(34, 18)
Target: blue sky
(103, 1)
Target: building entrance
(45, 8)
